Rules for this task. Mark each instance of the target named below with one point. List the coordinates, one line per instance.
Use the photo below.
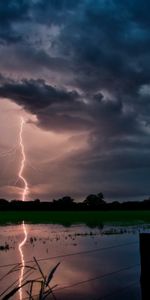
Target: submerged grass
(44, 281)
(67, 218)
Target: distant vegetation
(92, 202)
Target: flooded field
(95, 263)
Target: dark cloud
(11, 13)
(59, 110)
(13, 10)
(34, 95)
(104, 54)
(54, 11)
(96, 54)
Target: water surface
(94, 262)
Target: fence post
(145, 265)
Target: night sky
(79, 72)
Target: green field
(91, 218)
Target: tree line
(91, 202)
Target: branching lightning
(24, 194)
(8, 152)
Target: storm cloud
(83, 67)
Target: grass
(67, 218)
(44, 282)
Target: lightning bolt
(20, 175)
(24, 194)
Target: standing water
(95, 263)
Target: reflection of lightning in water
(24, 194)
(22, 258)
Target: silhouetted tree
(36, 201)
(65, 202)
(95, 201)
(3, 201)
(100, 196)
(92, 202)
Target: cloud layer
(82, 68)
